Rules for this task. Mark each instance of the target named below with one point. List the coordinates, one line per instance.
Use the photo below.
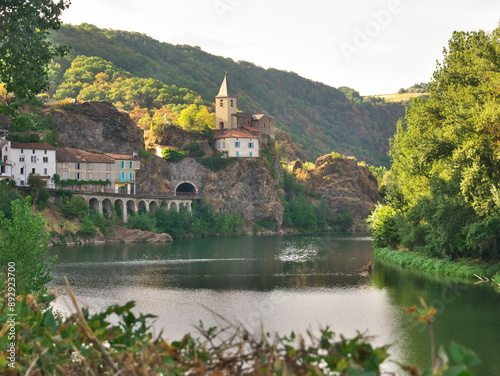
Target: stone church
(240, 134)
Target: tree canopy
(444, 181)
(25, 51)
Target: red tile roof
(250, 128)
(32, 145)
(77, 155)
(236, 133)
(121, 156)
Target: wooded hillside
(319, 117)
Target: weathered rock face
(244, 186)
(345, 184)
(152, 177)
(180, 138)
(95, 126)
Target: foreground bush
(43, 343)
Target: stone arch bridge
(104, 203)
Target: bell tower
(225, 106)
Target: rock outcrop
(345, 184)
(244, 185)
(96, 126)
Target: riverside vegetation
(118, 341)
(442, 191)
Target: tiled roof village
(238, 134)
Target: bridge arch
(173, 206)
(120, 209)
(131, 206)
(143, 208)
(94, 204)
(153, 205)
(186, 189)
(107, 208)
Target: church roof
(225, 89)
(235, 133)
(250, 128)
(253, 115)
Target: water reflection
(285, 282)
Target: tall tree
(24, 49)
(444, 180)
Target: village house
(119, 170)
(19, 160)
(240, 134)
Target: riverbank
(472, 270)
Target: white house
(37, 158)
(238, 143)
(5, 162)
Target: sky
(372, 46)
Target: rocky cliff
(344, 183)
(95, 126)
(244, 185)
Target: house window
(91, 166)
(65, 175)
(221, 103)
(45, 152)
(236, 144)
(90, 176)
(21, 158)
(250, 155)
(131, 176)
(122, 164)
(237, 153)
(45, 171)
(33, 171)
(250, 145)
(22, 170)
(123, 177)
(22, 151)
(33, 158)
(77, 175)
(108, 176)
(108, 166)
(224, 144)
(45, 159)
(232, 103)
(77, 165)
(131, 164)
(33, 151)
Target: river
(285, 283)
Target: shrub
(142, 221)
(87, 228)
(172, 155)
(382, 222)
(74, 207)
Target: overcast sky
(373, 46)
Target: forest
(442, 191)
(157, 81)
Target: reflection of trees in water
(467, 314)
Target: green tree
(24, 49)
(446, 168)
(23, 241)
(38, 190)
(8, 193)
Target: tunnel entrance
(185, 189)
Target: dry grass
(405, 97)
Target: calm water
(287, 283)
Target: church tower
(225, 107)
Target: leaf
(461, 355)
(459, 370)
